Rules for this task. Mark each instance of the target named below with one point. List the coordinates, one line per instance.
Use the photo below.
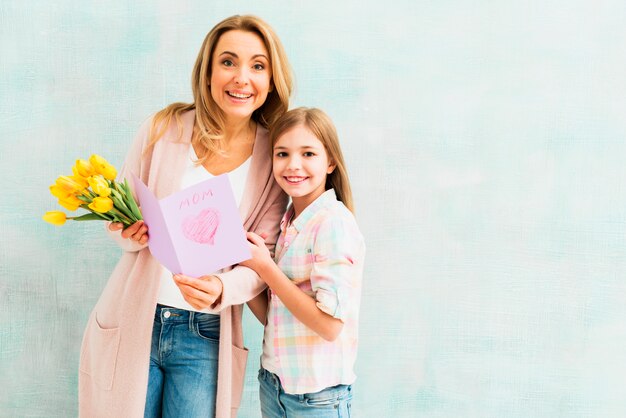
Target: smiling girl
(310, 311)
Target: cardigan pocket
(240, 358)
(98, 356)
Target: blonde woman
(158, 345)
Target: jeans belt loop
(191, 316)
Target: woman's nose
(241, 76)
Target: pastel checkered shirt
(321, 251)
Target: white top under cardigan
(169, 293)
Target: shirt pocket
(298, 264)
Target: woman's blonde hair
(210, 121)
(322, 127)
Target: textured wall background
(485, 142)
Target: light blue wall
(485, 142)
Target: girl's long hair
(209, 119)
(322, 127)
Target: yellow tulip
(55, 217)
(99, 185)
(59, 192)
(72, 184)
(76, 173)
(84, 168)
(103, 167)
(70, 202)
(101, 204)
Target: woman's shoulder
(261, 149)
(176, 127)
(262, 134)
(262, 130)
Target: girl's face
(240, 74)
(300, 165)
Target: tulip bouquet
(93, 187)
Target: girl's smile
(300, 165)
(295, 180)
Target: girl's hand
(260, 254)
(137, 231)
(201, 292)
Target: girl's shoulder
(337, 220)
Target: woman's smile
(238, 95)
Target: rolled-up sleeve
(338, 254)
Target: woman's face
(241, 74)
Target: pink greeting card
(196, 231)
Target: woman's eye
(227, 63)
(259, 67)
(309, 154)
(281, 154)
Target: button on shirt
(322, 252)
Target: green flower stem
(131, 200)
(123, 218)
(120, 205)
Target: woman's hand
(202, 292)
(261, 256)
(136, 232)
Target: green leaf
(130, 200)
(88, 217)
(119, 204)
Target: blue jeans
(333, 402)
(183, 364)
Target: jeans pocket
(329, 397)
(207, 326)
(98, 355)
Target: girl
(157, 346)
(310, 311)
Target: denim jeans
(335, 401)
(183, 364)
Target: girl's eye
(259, 67)
(309, 154)
(281, 154)
(227, 63)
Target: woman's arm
(135, 237)
(242, 283)
(258, 306)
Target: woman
(137, 362)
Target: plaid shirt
(322, 252)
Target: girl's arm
(241, 284)
(258, 306)
(301, 305)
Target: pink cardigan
(115, 351)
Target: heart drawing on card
(202, 227)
